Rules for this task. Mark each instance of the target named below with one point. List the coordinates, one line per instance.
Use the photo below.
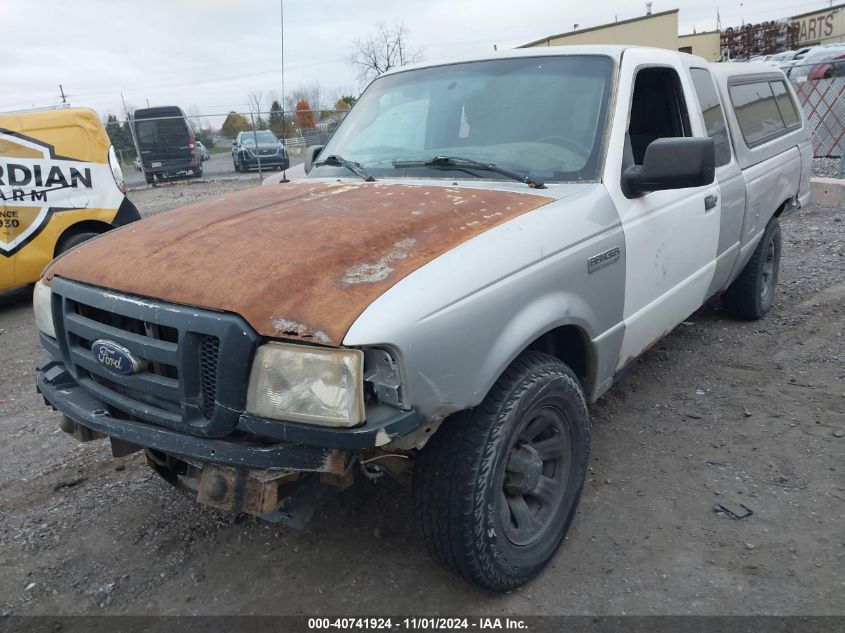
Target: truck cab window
(658, 109)
(714, 118)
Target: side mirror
(311, 154)
(672, 163)
(235, 142)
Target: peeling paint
(377, 271)
(382, 438)
(287, 328)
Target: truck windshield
(540, 115)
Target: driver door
(671, 236)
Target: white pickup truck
(476, 254)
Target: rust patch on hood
(298, 261)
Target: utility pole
(282, 24)
(125, 109)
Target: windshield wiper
(334, 159)
(456, 161)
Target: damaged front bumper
(265, 467)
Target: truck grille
(179, 383)
(209, 350)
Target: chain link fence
(821, 90)
(162, 144)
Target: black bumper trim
(60, 391)
(126, 214)
(374, 433)
(305, 447)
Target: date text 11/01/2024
(416, 624)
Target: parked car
(250, 148)
(478, 253)
(830, 67)
(60, 185)
(167, 145)
(800, 67)
(202, 151)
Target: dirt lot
(720, 411)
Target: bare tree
(256, 100)
(311, 93)
(384, 49)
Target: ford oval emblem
(114, 357)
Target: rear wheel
(752, 294)
(496, 488)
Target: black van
(165, 143)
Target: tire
(752, 294)
(483, 468)
(235, 163)
(150, 179)
(72, 241)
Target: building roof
(601, 26)
(700, 33)
(824, 10)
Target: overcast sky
(208, 55)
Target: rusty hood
(300, 260)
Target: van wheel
(752, 294)
(72, 241)
(150, 179)
(496, 488)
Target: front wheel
(752, 294)
(496, 488)
(73, 241)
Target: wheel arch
(786, 204)
(85, 226)
(571, 345)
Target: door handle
(710, 201)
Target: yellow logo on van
(35, 183)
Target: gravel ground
(826, 167)
(720, 411)
(159, 198)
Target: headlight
(42, 300)
(116, 171)
(307, 384)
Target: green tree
(233, 124)
(274, 119)
(349, 100)
(119, 135)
